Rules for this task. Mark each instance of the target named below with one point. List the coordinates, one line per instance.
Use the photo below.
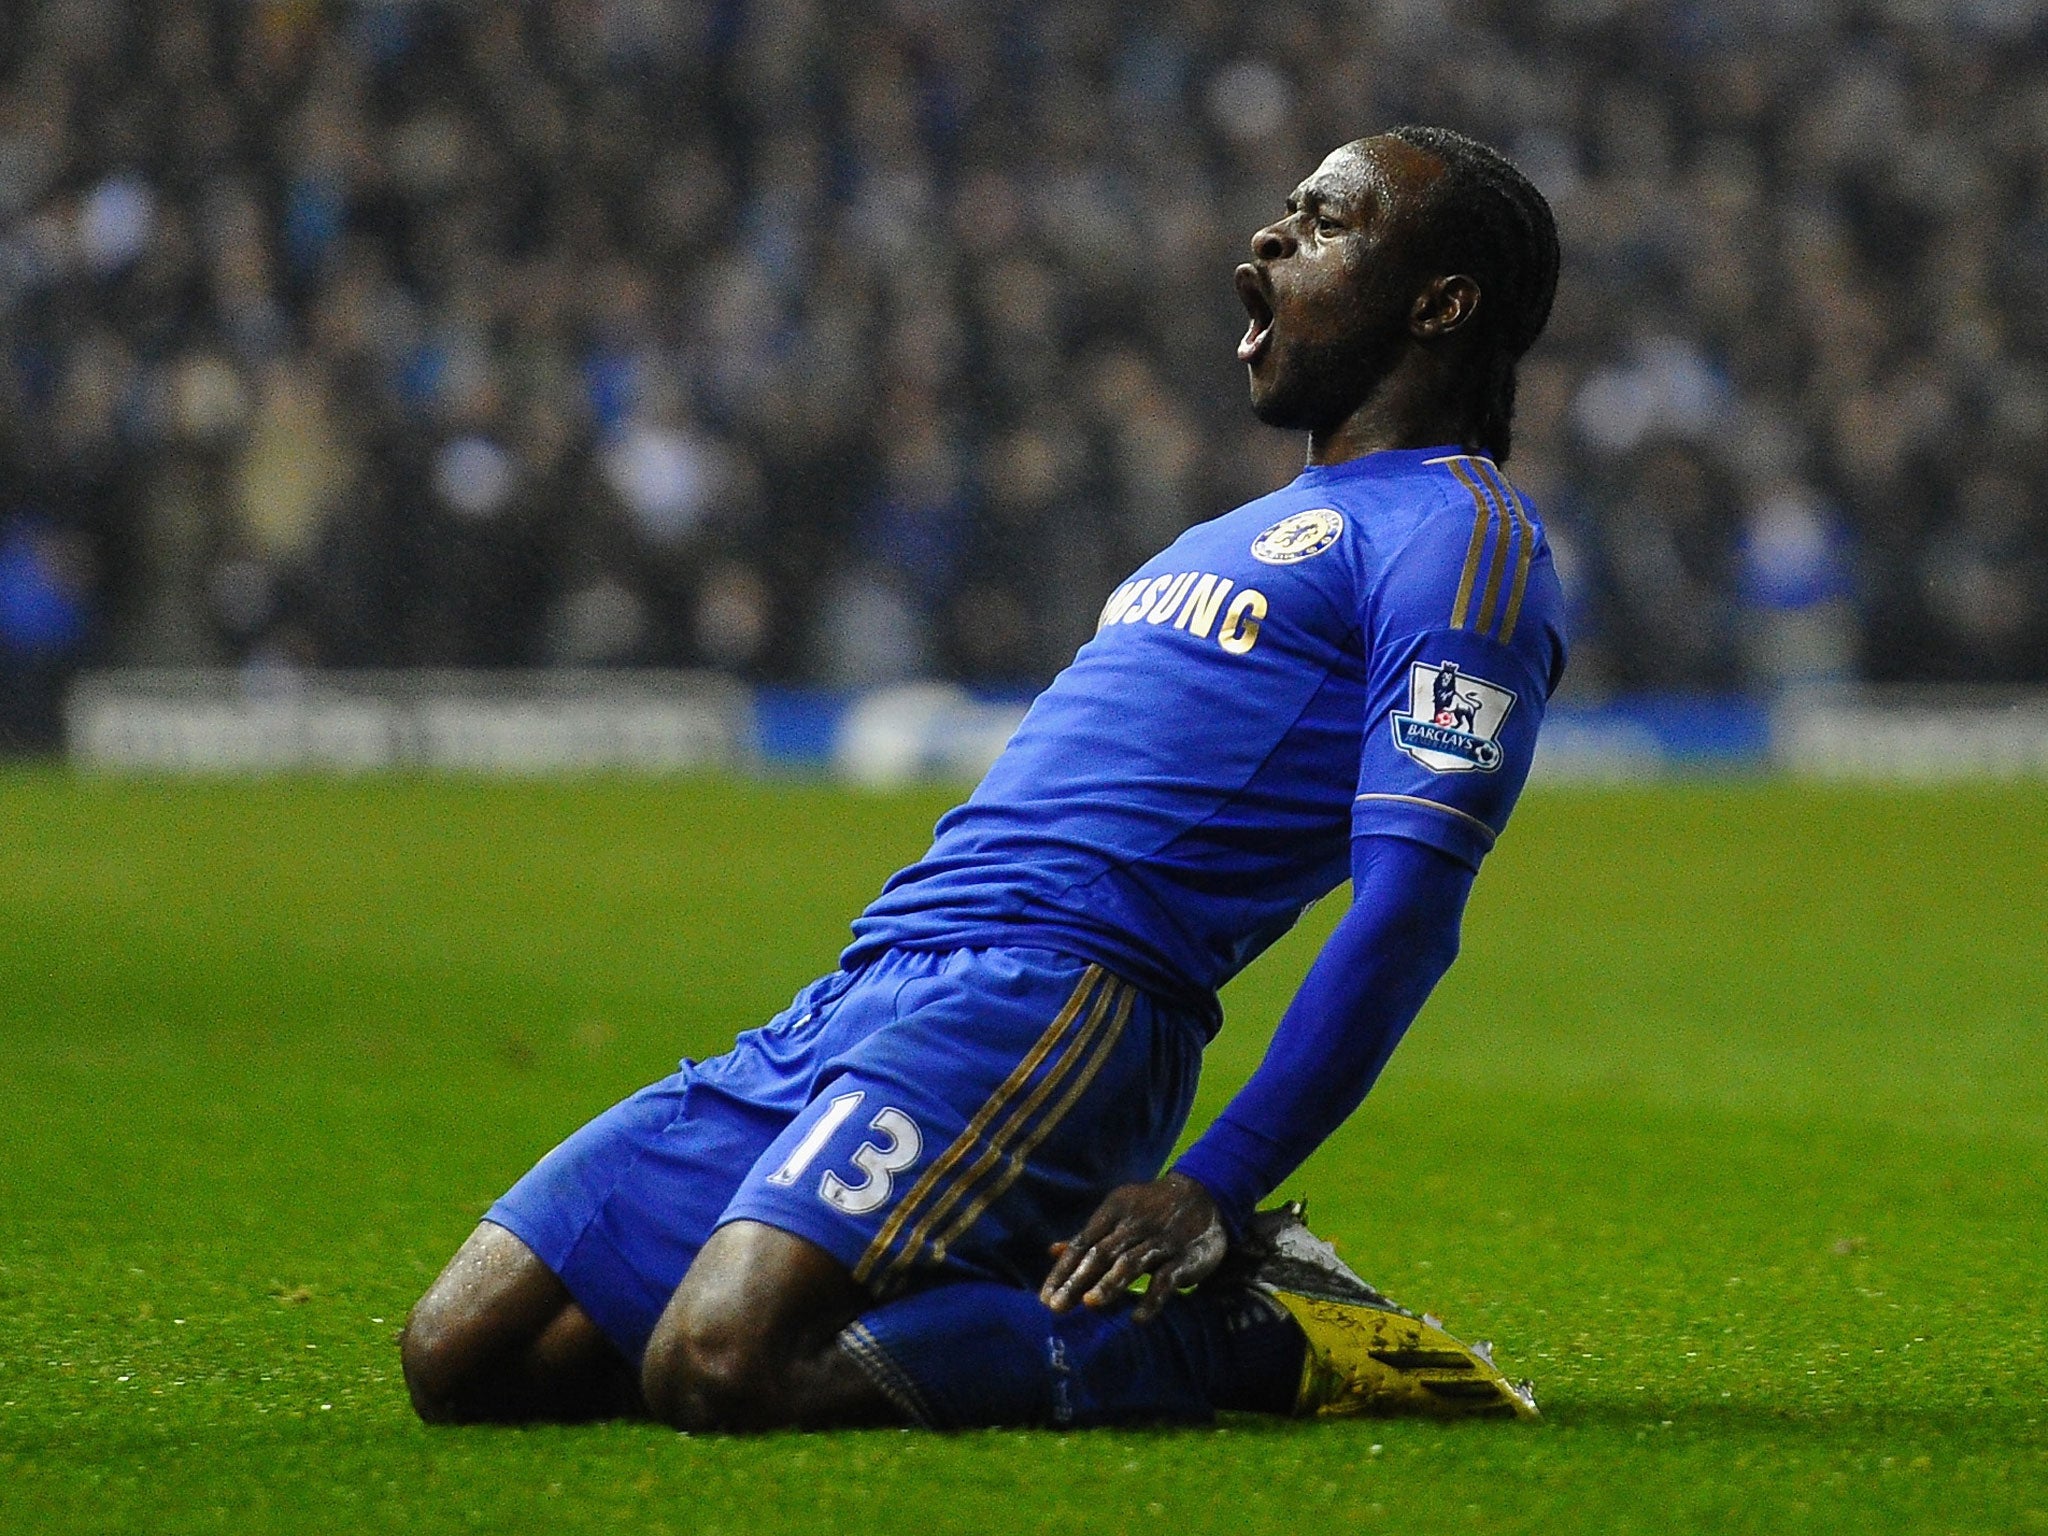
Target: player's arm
(1365, 988)
(1373, 976)
(1463, 650)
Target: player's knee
(709, 1373)
(445, 1352)
(431, 1355)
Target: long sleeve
(1358, 999)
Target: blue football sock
(972, 1353)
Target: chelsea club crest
(1453, 719)
(1297, 537)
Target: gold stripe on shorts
(1113, 998)
(1012, 1085)
(1015, 1160)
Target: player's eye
(1325, 225)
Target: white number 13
(880, 1163)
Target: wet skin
(746, 1342)
(1352, 340)
(496, 1339)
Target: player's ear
(1447, 304)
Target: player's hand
(1167, 1229)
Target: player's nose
(1272, 243)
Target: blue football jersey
(1367, 650)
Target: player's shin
(973, 1354)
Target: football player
(926, 1191)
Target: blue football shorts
(928, 1115)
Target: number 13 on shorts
(877, 1162)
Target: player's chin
(1284, 385)
(1277, 406)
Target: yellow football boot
(1367, 1354)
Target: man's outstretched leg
(761, 1335)
(498, 1339)
(1286, 1328)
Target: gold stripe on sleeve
(1496, 569)
(1483, 513)
(1527, 527)
(1437, 805)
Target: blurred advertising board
(661, 722)
(495, 723)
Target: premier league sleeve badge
(1453, 719)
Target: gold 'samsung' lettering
(1190, 601)
(1240, 631)
(1163, 609)
(1200, 612)
(1119, 600)
(1154, 589)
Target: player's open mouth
(1253, 293)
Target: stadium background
(844, 345)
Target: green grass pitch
(1730, 1127)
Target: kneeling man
(924, 1193)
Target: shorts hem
(555, 1257)
(847, 1247)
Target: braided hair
(1484, 219)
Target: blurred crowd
(842, 341)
